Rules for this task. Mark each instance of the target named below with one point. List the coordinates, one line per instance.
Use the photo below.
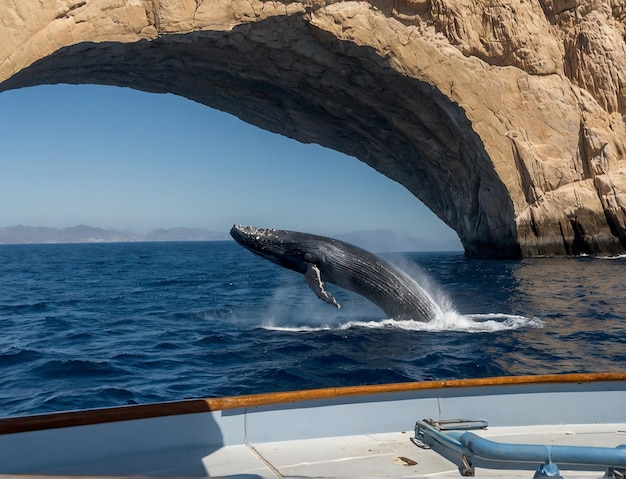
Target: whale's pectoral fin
(313, 278)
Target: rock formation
(505, 117)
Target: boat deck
(393, 455)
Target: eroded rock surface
(506, 118)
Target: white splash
(449, 321)
(297, 329)
(479, 323)
(619, 256)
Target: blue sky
(123, 159)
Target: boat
(563, 425)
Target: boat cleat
(548, 469)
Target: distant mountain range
(88, 234)
(373, 240)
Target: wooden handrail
(256, 400)
(144, 411)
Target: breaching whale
(321, 259)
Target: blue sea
(93, 325)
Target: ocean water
(93, 325)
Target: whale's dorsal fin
(313, 277)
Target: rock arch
(484, 111)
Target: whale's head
(289, 249)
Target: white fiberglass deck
(393, 455)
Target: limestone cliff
(506, 118)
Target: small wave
(15, 356)
(619, 256)
(297, 329)
(77, 368)
(24, 307)
(450, 321)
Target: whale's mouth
(253, 237)
(266, 242)
(252, 230)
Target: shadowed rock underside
(506, 118)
